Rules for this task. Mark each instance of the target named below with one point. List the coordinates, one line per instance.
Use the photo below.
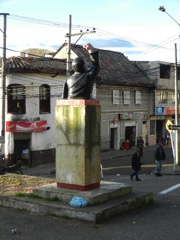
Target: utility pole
(3, 84)
(69, 48)
(69, 35)
(162, 9)
(176, 110)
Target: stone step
(94, 214)
(106, 191)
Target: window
(94, 92)
(137, 97)
(178, 73)
(126, 97)
(163, 97)
(44, 98)
(173, 98)
(115, 97)
(16, 99)
(164, 71)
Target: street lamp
(162, 9)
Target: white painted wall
(32, 82)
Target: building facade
(32, 88)
(163, 76)
(124, 115)
(33, 85)
(125, 95)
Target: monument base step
(106, 191)
(97, 212)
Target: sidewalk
(49, 169)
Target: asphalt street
(114, 162)
(159, 220)
(121, 163)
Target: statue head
(78, 64)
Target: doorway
(113, 138)
(159, 130)
(144, 132)
(22, 151)
(130, 134)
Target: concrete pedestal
(78, 144)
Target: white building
(32, 87)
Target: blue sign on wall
(160, 110)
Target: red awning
(26, 126)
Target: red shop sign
(30, 126)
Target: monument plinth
(78, 144)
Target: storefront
(20, 137)
(158, 122)
(123, 130)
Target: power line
(57, 24)
(152, 47)
(98, 31)
(125, 39)
(46, 22)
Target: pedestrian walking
(136, 164)
(159, 157)
(140, 145)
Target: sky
(135, 28)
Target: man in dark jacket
(140, 145)
(159, 156)
(136, 164)
(80, 84)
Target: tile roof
(35, 65)
(116, 69)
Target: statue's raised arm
(80, 84)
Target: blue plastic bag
(78, 202)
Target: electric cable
(98, 31)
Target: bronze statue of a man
(80, 84)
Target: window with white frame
(163, 97)
(16, 99)
(94, 92)
(137, 97)
(44, 99)
(126, 97)
(173, 97)
(115, 97)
